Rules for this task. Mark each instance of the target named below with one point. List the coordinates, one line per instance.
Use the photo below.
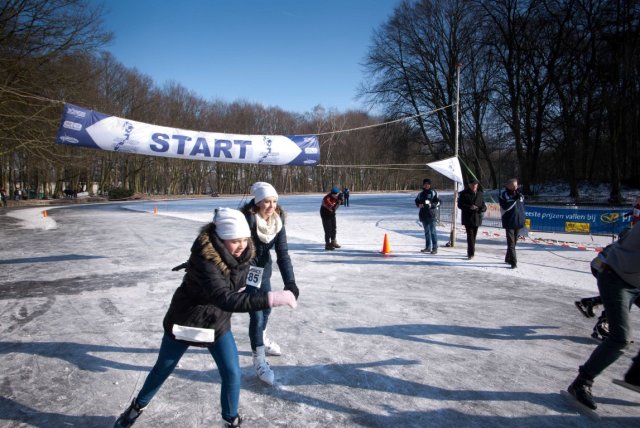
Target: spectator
(512, 210)
(471, 203)
(345, 196)
(328, 209)
(428, 202)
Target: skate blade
(627, 385)
(582, 310)
(584, 410)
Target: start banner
(87, 128)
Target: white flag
(450, 168)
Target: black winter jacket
(209, 293)
(429, 212)
(467, 198)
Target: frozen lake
(407, 339)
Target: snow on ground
(405, 339)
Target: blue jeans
(617, 298)
(258, 319)
(430, 235)
(225, 354)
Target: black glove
(291, 286)
(179, 267)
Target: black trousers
(512, 239)
(472, 232)
(329, 226)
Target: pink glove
(281, 298)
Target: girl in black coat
(201, 309)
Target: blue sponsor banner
(87, 128)
(595, 220)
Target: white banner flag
(450, 168)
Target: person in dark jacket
(428, 202)
(617, 270)
(267, 223)
(201, 308)
(328, 208)
(345, 196)
(512, 210)
(471, 203)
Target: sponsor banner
(595, 220)
(87, 128)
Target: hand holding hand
(291, 286)
(281, 298)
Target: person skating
(618, 275)
(428, 203)
(328, 208)
(635, 212)
(512, 214)
(345, 196)
(201, 308)
(267, 223)
(471, 203)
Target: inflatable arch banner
(87, 128)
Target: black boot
(633, 374)
(129, 416)
(236, 422)
(581, 391)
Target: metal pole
(452, 242)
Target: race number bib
(254, 278)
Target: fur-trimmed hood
(211, 247)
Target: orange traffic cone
(155, 210)
(44, 213)
(386, 248)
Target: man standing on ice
(428, 202)
(512, 211)
(618, 272)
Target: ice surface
(407, 339)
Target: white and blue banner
(87, 128)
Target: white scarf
(268, 229)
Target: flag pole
(452, 241)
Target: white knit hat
(262, 190)
(230, 224)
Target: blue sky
(285, 53)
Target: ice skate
(271, 348)
(129, 416)
(260, 364)
(585, 307)
(579, 394)
(329, 247)
(335, 244)
(627, 385)
(601, 329)
(434, 251)
(425, 250)
(236, 422)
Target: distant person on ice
(267, 223)
(428, 202)
(201, 308)
(617, 269)
(471, 203)
(345, 196)
(512, 210)
(328, 209)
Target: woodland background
(549, 91)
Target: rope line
(359, 128)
